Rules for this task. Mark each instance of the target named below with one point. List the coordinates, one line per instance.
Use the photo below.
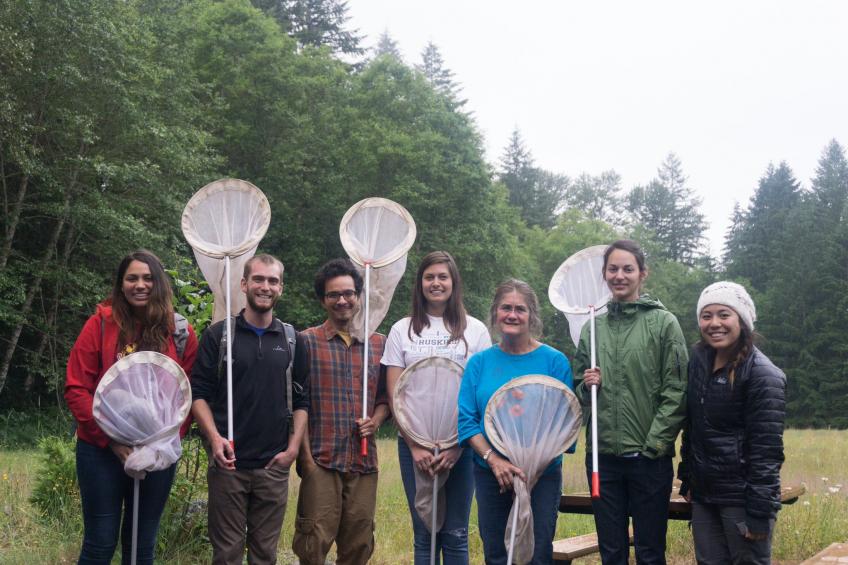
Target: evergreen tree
(433, 67)
(315, 23)
(763, 227)
(537, 193)
(387, 46)
(669, 209)
(830, 184)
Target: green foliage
(538, 194)
(183, 527)
(26, 428)
(55, 495)
(669, 209)
(192, 297)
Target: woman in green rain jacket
(641, 381)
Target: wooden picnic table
(678, 508)
(834, 553)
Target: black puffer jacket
(733, 437)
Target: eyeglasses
(509, 309)
(334, 296)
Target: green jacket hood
(644, 302)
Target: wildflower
(5, 476)
(806, 503)
(834, 490)
(825, 479)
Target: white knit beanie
(732, 295)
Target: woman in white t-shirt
(439, 326)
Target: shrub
(55, 495)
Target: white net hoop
(426, 410)
(531, 420)
(425, 402)
(377, 231)
(141, 401)
(225, 218)
(578, 284)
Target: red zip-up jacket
(91, 356)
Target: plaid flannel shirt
(335, 377)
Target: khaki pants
(252, 500)
(334, 506)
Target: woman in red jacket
(138, 316)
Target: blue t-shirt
(492, 368)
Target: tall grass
(813, 458)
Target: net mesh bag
(425, 408)
(141, 402)
(225, 218)
(377, 232)
(531, 420)
(577, 284)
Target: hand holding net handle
(596, 480)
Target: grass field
(815, 458)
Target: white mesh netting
(141, 402)
(377, 232)
(225, 218)
(531, 420)
(426, 409)
(577, 284)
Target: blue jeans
(452, 539)
(493, 511)
(632, 486)
(104, 489)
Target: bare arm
(503, 470)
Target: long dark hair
(454, 316)
(157, 322)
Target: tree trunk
(12, 224)
(49, 334)
(49, 253)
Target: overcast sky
(728, 86)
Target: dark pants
(452, 539)
(493, 511)
(247, 500)
(719, 537)
(104, 489)
(636, 487)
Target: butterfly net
(141, 402)
(225, 218)
(377, 232)
(426, 409)
(578, 284)
(531, 420)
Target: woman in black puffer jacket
(733, 439)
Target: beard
(260, 308)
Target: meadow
(817, 459)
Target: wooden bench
(579, 546)
(834, 553)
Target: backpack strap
(180, 333)
(291, 339)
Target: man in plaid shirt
(338, 491)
